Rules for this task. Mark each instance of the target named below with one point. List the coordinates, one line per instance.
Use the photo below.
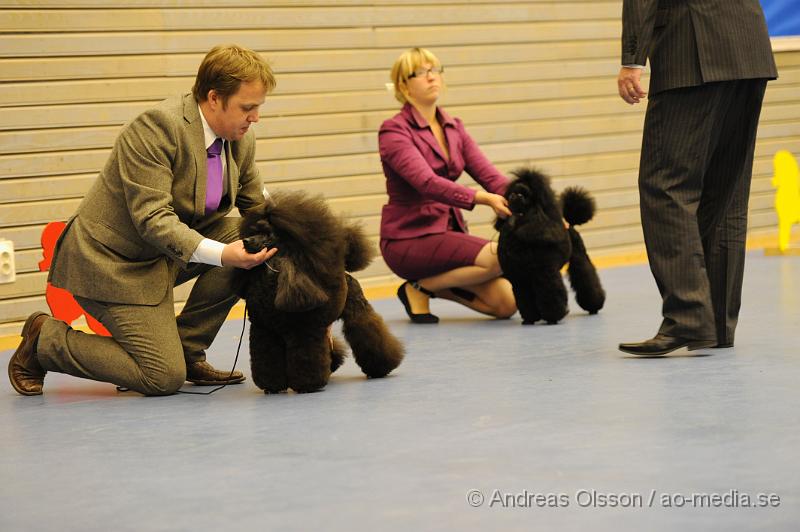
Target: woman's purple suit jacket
(421, 182)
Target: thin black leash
(238, 347)
(235, 360)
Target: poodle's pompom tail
(359, 252)
(577, 205)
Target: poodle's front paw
(554, 315)
(309, 390)
(309, 385)
(275, 391)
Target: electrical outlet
(7, 270)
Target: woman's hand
(495, 201)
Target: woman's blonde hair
(408, 62)
(225, 67)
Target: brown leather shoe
(24, 371)
(201, 373)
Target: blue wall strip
(783, 17)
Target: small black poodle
(534, 245)
(294, 298)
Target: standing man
(155, 218)
(710, 61)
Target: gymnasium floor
(554, 412)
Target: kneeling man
(155, 218)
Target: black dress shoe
(662, 344)
(201, 373)
(415, 318)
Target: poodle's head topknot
(311, 244)
(293, 220)
(529, 188)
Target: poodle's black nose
(254, 244)
(517, 202)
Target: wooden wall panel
(534, 81)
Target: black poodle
(294, 298)
(534, 245)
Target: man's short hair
(225, 67)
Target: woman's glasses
(423, 72)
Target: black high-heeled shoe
(415, 318)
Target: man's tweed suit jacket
(145, 214)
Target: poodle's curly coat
(534, 245)
(304, 288)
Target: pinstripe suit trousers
(694, 186)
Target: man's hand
(630, 88)
(235, 255)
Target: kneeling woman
(424, 237)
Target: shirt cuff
(208, 252)
(634, 66)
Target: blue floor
(541, 417)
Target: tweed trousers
(149, 347)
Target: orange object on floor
(61, 302)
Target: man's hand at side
(629, 85)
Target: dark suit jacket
(420, 181)
(691, 42)
(146, 210)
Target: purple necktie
(214, 183)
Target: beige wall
(533, 81)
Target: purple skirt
(425, 256)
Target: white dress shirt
(210, 251)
